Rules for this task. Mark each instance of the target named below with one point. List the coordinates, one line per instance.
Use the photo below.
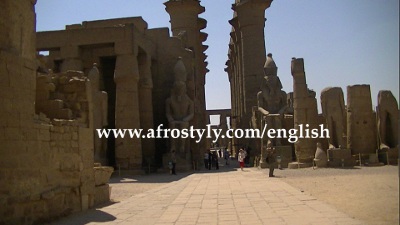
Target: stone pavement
(227, 196)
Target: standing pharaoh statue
(271, 100)
(179, 107)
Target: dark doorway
(107, 67)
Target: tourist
(206, 159)
(215, 160)
(241, 157)
(173, 160)
(270, 158)
(226, 156)
(209, 160)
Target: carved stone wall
(46, 169)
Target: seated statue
(272, 100)
(179, 110)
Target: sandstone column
(128, 151)
(184, 18)
(146, 106)
(305, 112)
(361, 123)
(251, 22)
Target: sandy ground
(370, 194)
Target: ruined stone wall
(45, 170)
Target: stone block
(389, 156)
(340, 158)
(102, 194)
(102, 174)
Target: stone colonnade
(247, 56)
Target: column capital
(263, 3)
(251, 12)
(177, 6)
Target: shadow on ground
(90, 216)
(167, 178)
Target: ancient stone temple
(246, 58)
(46, 152)
(136, 70)
(99, 74)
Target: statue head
(272, 84)
(270, 68)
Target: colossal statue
(179, 107)
(271, 100)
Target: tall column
(146, 106)
(184, 17)
(251, 21)
(305, 112)
(128, 151)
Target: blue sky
(343, 42)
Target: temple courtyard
(357, 195)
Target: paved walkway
(228, 196)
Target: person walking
(271, 158)
(241, 157)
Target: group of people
(211, 158)
(270, 158)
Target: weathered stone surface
(387, 113)
(102, 174)
(247, 56)
(305, 111)
(320, 158)
(340, 157)
(102, 194)
(333, 109)
(361, 123)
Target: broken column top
(297, 65)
